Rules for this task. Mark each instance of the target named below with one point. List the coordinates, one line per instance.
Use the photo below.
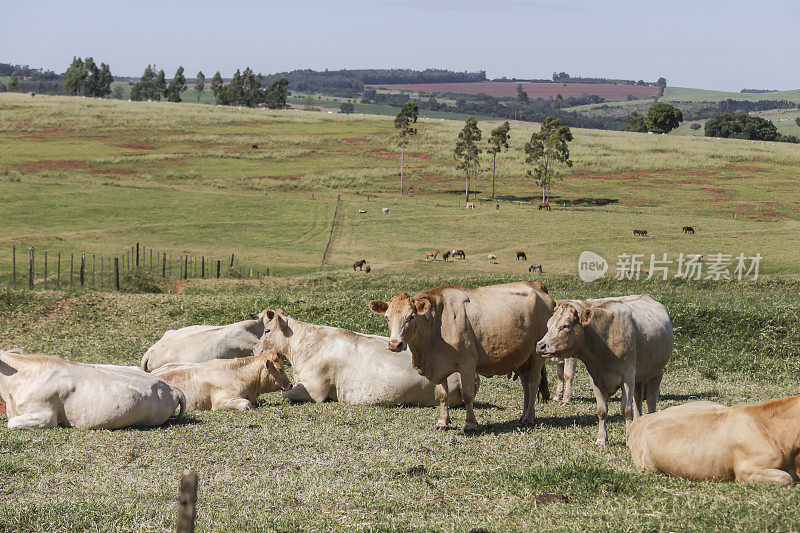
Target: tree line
(86, 78)
(547, 151)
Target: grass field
(684, 94)
(88, 175)
(80, 174)
(336, 467)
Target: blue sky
(711, 44)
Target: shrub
(143, 282)
(695, 126)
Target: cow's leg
(531, 379)
(560, 385)
(570, 369)
(637, 400)
(653, 390)
(626, 399)
(299, 393)
(444, 413)
(234, 404)
(602, 412)
(468, 395)
(754, 474)
(44, 419)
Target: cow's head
(565, 331)
(274, 377)
(276, 332)
(403, 314)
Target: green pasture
(684, 94)
(331, 466)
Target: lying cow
(707, 440)
(195, 344)
(222, 384)
(340, 365)
(485, 330)
(42, 392)
(623, 341)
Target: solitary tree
(346, 107)
(217, 87)
(73, 80)
(636, 123)
(467, 151)
(277, 92)
(522, 96)
(546, 151)
(200, 85)
(663, 118)
(13, 82)
(404, 122)
(176, 86)
(559, 100)
(145, 89)
(498, 141)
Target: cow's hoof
(557, 399)
(601, 442)
(442, 425)
(564, 404)
(470, 429)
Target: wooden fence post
(137, 255)
(58, 279)
(102, 280)
(14, 266)
(218, 262)
(203, 267)
(185, 267)
(151, 259)
(187, 502)
(232, 260)
(30, 269)
(92, 270)
(116, 273)
(83, 268)
(45, 269)
(164, 266)
(71, 268)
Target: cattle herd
(440, 341)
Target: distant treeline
(534, 110)
(712, 109)
(24, 71)
(350, 83)
(563, 77)
(758, 91)
(31, 79)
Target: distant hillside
(684, 94)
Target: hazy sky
(711, 44)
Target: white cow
(195, 344)
(625, 342)
(340, 365)
(42, 391)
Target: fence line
(330, 237)
(125, 264)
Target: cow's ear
(269, 314)
(379, 306)
(254, 316)
(423, 306)
(282, 321)
(586, 316)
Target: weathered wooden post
(218, 262)
(14, 266)
(137, 255)
(92, 270)
(45, 269)
(116, 273)
(102, 279)
(83, 268)
(203, 267)
(151, 259)
(30, 269)
(185, 267)
(232, 255)
(164, 266)
(71, 268)
(58, 279)
(187, 502)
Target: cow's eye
(266, 331)
(566, 326)
(410, 317)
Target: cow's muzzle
(543, 350)
(397, 346)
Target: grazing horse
(459, 253)
(521, 255)
(544, 206)
(360, 264)
(534, 267)
(492, 258)
(447, 255)
(642, 232)
(433, 255)
(688, 230)
(368, 270)
(254, 147)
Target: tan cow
(195, 344)
(707, 440)
(623, 341)
(340, 365)
(223, 384)
(42, 391)
(485, 330)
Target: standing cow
(485, 330)
(624, 342)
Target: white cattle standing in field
(42, 391)
(707, 440)
(195, 344)
(222, 384)
(624, 342)
(340, 365)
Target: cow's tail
(544, 388)
(181, 402)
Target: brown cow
(486, 330)
(707, 440)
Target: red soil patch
(356, 141)
(137, 146)
(63, 164)
(48, 130)
(745, 169)
(534, 90)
